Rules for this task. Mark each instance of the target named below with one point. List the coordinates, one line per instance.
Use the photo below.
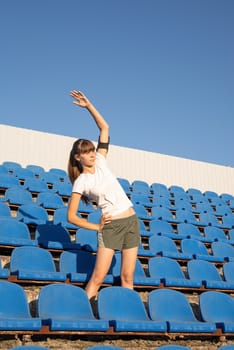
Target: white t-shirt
(103, 188)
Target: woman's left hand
(80, 99)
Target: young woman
(92, 180)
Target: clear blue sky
(160, 71)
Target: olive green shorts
(120, 234)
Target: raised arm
(82, 101)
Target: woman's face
(87, 159)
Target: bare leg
(102, 265)
(129, 257)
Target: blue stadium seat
(60, 172)
(189, 217)
(126, 311)
(169, 272)
(125, 185)
(34, 263)
(228, 221)
(7, 181)
(79, 265)
(227, 197)
(85, 208)
(226, 347)
(175, 189)
(165, 214)
(95, 216)
(49, 200)
(210, 194)
(63, 189)
(60, 217)
(50, 178)
(142, 212)
(183, 204)
(14, 233)
(159, 189)
(203, 208)
(141, 199)
(35, 185)
(190, 231)
(11, 165)
(172, 306)
(29, 347)
(223, 250)
(32, 214)
(218, 307)
(198, 250)
(213, 234)
(54, 236)
(143, 230)
(3, 169)
(87, 239)
(14, 309)
(211, 219)
(17, 196)
(22, 174)
(162, 228)
(206, 273)
(140, 187)
(36, 169)
(194, 192)
(5, 211)
(66, 307)
(228, 271)
(165, 246)
(164, 202)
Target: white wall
(51, 151)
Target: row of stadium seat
(66, 308)
(76, 267)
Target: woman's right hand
(105, 219)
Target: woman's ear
(77, 157)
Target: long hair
(75, 168)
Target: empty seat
(228, 271)
(15, 233)
(165, 246)
(159, 189)
(218, 307)
(159, 201)
(213, 233)
(162, 228)
(169, 272)
(125, 185)
(11, 165)
(85, 208)
(66, 307)
(7, 181)
(54, 236)
(226, 347)
(63, 189)
(87, 239)
(14, 309)
(224, 251)
(198, 250)
(207, 274)
(49, 200)
(125, 310)
(140, 187)
(189, 217)
(172, 306)
(60, 217)
(161, 213)
(210, 194)
(35, 185)
(32, 214)
(36, 169)
(190, 231)
(5, 211)
(17, 196)
(22, 174)
(142, 212)
(33, 263)
(79, 265)
(141, 199)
